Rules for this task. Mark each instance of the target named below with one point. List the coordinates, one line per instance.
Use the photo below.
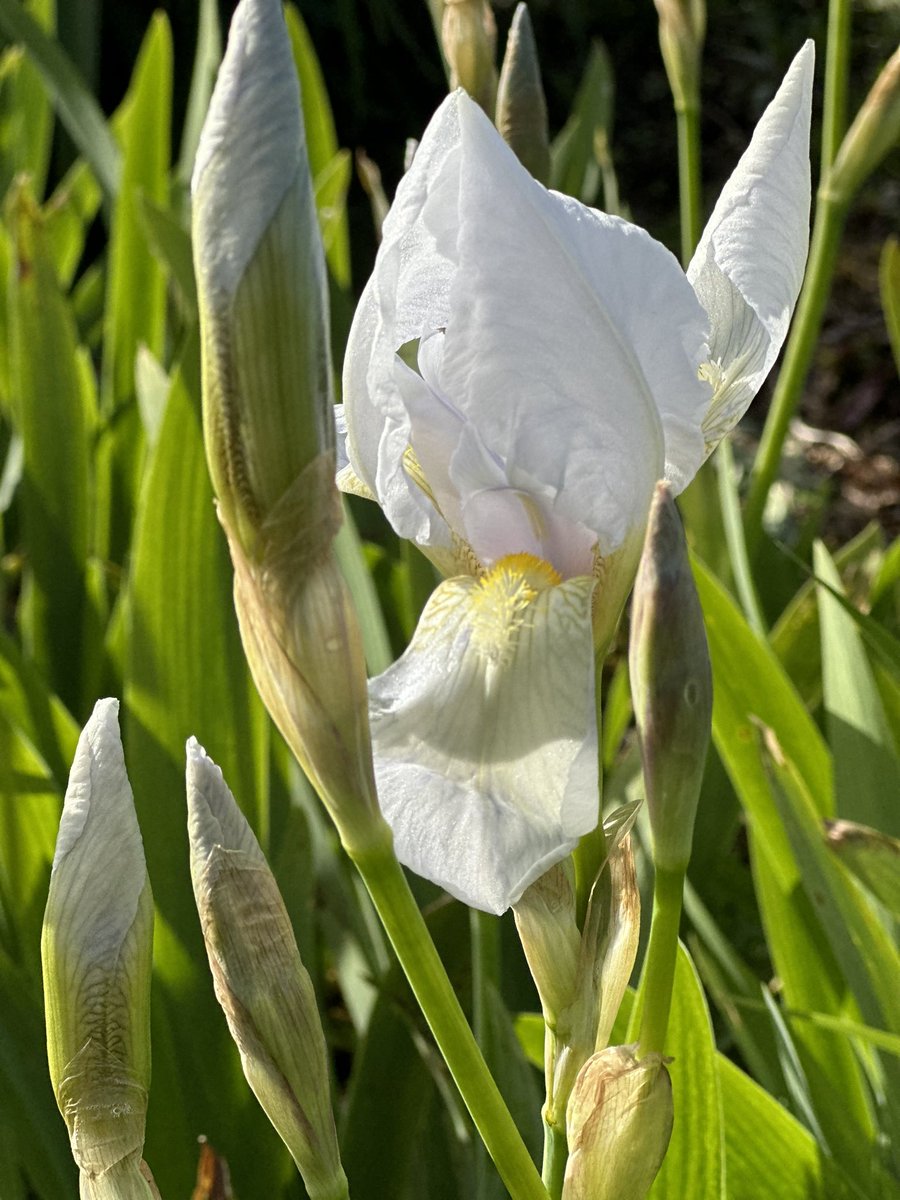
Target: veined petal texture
(748, 268)
(484, 783)
(571, 340)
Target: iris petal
(748, 267)
(484, 783)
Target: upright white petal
(572, 339)
(749, 265)
(484, 733)
(569, 331)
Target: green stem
(405, 926)
(590, 852)
(831, 212)
(485, 939)
(556, 1154)
(837, 68)
(485, 936)
(659, 970)
(734, 537)
(689, 180)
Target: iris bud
(872, 135)
(96, 950)
(521, 106)
(671, 683)
(619, 1125)
(264, 989)
(469, 38)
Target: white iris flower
(521, 371)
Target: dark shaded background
(385, 79)
(384, 75)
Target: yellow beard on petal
(501, 599)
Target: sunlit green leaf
(769, 1153)
(889, 278)
(185, 674)
(866, 769)
(76, 107)
(695, 1163)
(52, 387)
(574, 166)
(135, 301)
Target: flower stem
(831, 213)
(556, 1154)
(405, 926)
(687, 117)
(659, 970)
(485, 940)
(590, 853)
(837, 66)
(734, 537)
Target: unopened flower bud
(671, 683)
(97, 950)
(875, 131)
(469, 38)
(521, 106)
(682, 29)
(268, 415)
(302, 641)
(262, 284)
(264, 989)
(873, 857)
(619, 1125)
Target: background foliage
(115, 580)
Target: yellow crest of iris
(501, 602)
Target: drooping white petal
(572, 338)
(252, 144)
(484, 732)
(748, 267)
